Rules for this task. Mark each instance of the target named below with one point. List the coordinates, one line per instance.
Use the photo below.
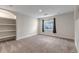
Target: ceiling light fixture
(40, 10)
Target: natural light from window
(48, 25)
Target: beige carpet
(39, 43)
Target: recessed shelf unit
(7, 29)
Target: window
(49, 25)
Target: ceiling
(46, 10)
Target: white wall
(76, 17)
(26, 26)
(64, 26)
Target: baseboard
(62, 37)
(26, 36)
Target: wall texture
(26, 26)
(64, 26)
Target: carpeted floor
(39, 44)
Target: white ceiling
(51, 10)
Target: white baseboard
(57, 35)
(26, 36)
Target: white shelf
(7, 24)
(7, 36)
(7, 18)
(6, 30)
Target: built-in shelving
(7, 18)
(7, 24)
(7, 36)
(7, 28)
